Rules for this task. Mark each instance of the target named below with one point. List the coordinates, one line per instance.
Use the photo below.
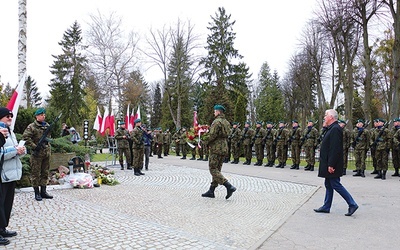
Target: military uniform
(40, 159)
(167, 142)
(122, 137)
(245, 141)
(234, 137)
(259, 135)
(203, 148)
(281, 141)
(346, 144)
(294, 141)
(380, 139)
(309, 142)
(138, 147)
(175, 137)
(192, 139)
(360, 143)
(158, 143)
(395, 147)
(218, 144)
(182, 143)
(269, 144)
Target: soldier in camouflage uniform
(396, 145)
(268, 141)
(309, 142)
(167, 141)
(158, 142)
(218, 143)
(360, 143)
(294, 141)
(381, 140)
(373, 149)
(281, 141)
(203, 149)
(122, 137)
(138, 147)
(175, 137)
(257, 140)
(395, 148)
(183, 143)
(346, 144)
(245, 141)
(40, 160)
(234, 137)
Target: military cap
(360, 120)
(259, 123)
(40, 111)
(269, 122)
(248, 123)
(121, 123)
(295, 121)
(310, 120)
(235, 123)
(219, 107)
(381, 120)
(138, 120)
(341, 121)
(281, 121)
(396, 119)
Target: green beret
(260, 123)
(40, 111)
(269, 122)
(396, 119)
(219, 107)
(235, 123)
(381, 120)
(248, 123)
(295, 121)
(341, 121)
(281, 121)
(121, 123)
(311, 121)
(360, 120)
(138, 120)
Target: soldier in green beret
(294, 141)
(234, 137)
(122, 136)
(380, 140)
(258, 137)
(281, 141)
(217, 141)
(245, 142)
(269, 144)
(138, 147)
(309, 142)
(40, 159)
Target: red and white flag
(195, 123)
(138, 116)
(128, 124)
(15, 100)
(104, 122)
(98, 121)
(112, 123)
(131, 121)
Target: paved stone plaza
(161, 210)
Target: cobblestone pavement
(161, 210)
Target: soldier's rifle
(44, 139)
(373, 145)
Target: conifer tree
(32, 95)
(156, 113)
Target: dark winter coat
(331, 153)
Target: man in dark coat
(331, 164)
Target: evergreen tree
(31, 93)
(67, 87)
(156, 114)
(222, 78)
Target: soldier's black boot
(183, 157)
(200, 159)
(258, 163)
(311, 167)
(307, 168)
(363, 173)
(283, 165)
(136, 172)
(384, 174)
(210, 192)
(268, 164)
(44, 194)
(229, 189)
(233, 162)
(122, 166)
(396, 172)
(344, 171)
(355, 170)
(37, 194)
(140, 171)
(358, 173)
(293, 166)
(279, 165)
(193, 158)
(379, 176)
(375, 171)
(271, 164)
(297, 167)
(128, 166)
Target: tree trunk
(22, 16)
(394, 110)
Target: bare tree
(22, 16)
(112, 55)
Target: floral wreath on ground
(105, 174)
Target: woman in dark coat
(331, 164)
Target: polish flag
(98, 122)
(104, 122)
(112, 123)
(127, 118)
(195, 123)
(138, 116)
(15, 100)
(131, 121)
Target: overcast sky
(266, 30)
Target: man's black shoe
(321, 210)
(3, 241)
(8, 233)
(351, 211)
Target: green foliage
(156, 114)
(67, 86)
(32, 94)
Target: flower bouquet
(104, 175)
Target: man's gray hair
(333, 113)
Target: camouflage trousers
(373, 155)
(247, 152)
(235, 150)
(259, 149)
(310, 155)
(183, 149)
(360, 155)
(159, 148)
(270, 152)
(396, 158)
(138, 155)
(40, 166)
(281, 153)
(382, 157)
(166, 148)
(345, 157)
(177, 148)
(127, 153)
(215, 166)
(295, 153)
